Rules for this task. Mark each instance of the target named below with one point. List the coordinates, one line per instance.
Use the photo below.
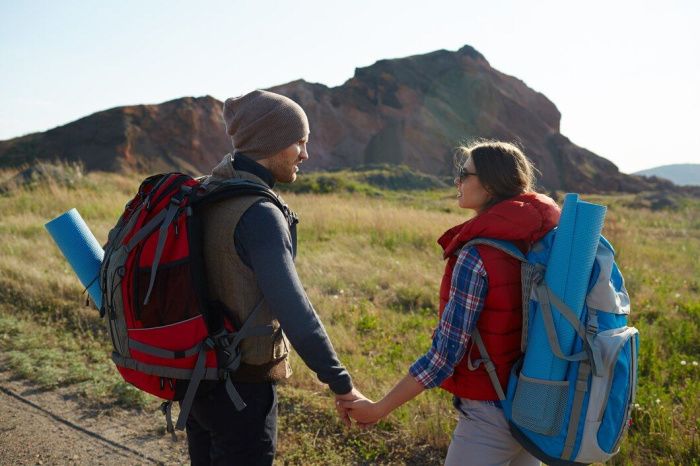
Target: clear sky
(624, 74)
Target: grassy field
(370, 264)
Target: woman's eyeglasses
(463, 174)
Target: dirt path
(51, 427)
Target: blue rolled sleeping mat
(81, 249)
(568, 272)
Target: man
(249, 249)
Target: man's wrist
(343, 387)
(348, 394)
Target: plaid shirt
(467, 295)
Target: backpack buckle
(592, 324)
(222, 341)
(538, 274)
(209, 343)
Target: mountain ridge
(411, 111)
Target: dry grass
(372, 268)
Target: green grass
(369, 262)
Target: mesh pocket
(540, 405)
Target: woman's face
(471, 194)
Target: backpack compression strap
(226, 367)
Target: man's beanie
(262, 123)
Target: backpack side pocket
(612, 394)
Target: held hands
(352, 395)
(364, 411)
(354, 404)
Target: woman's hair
(503, 170)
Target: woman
(480, 289)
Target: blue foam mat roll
(81, 249)
(568, 272)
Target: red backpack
(167, 335)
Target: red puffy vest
(523, 219)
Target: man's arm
(263, 242)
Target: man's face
(284, 165)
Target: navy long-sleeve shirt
(264, 242)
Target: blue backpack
(569, 398)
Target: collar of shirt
(246, 164)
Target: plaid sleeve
(467, 295)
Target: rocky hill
(410, 111)
(184, 134)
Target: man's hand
(352, 395)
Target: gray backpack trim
(584, 371)
(145, 231)
(161, 371)
(546, 296)
(163, 353)
(601, 296)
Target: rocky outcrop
(415, 110)
(185, 134)
(410, 111)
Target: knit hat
(262, 123)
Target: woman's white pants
(482, 438)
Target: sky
(625, 75)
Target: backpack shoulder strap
(487, 362)
(217, 190)
(505, 246)
(513, 251)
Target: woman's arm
(367, 412)
(468, 291)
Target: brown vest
(231, 282)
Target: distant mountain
(410, 111)
(682, 174)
